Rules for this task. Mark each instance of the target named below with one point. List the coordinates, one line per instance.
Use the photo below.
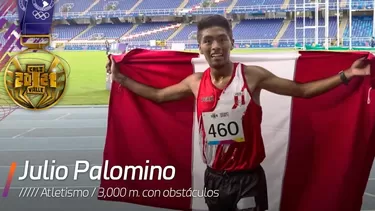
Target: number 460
(222, 130)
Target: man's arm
(174, 92)
(272, 83)
(171, 93)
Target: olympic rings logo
(40, 15)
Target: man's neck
(219, 73)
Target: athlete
(229, 114)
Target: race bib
(223, 127)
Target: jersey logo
(207, 99)
(238, 93)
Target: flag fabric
(132, 137)
(330, 147)
(319, 151)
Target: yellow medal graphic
(35, 78)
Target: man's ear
(200, 49)
(232, 47)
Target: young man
(229, 114)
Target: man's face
(215, 44)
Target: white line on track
(369, 194)
(21, 134)
(63, 116)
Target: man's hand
(360, 67)
(108, 66)
(112, 68)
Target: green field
(86, 83)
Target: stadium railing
(192, 44)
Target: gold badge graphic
(35, 78)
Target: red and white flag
(319, 151)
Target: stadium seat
(105, 5)
(158, 4)
(193, 3)
(110, 31)
(73, 5)
(309, 33)
(248, 3)
(361, 31)
(67, 32)
(153, 26)
(186, 32)
(264, 29)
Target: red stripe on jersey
(243, 98)
(243, 95)
(235, 102)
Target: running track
(66, 135)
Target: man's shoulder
(192, 79)
(253, 69)
(254, 73)
(196, 76)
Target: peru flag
(319, 153)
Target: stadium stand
(67, 32)
(193, 3)
(73, 5)
(105, 5)
(158, 4)
(309, 33)
(102, 31)
(266, 29)
(186, 33)
(246, 3)
(256, 24)
(162, 34)
(361, 27)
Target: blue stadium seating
(67, 32)
(309, 33)
(159, 4)
(114, 5)
(185, 33)
(110, 31)
(247, 3)
(245, 30)
(73, 5)
(152, 26)
(223, 3)
(257, 29)
(193, 3)
(361, 28)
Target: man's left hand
(361, 67)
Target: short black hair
(214, 20)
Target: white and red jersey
(229, 124)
